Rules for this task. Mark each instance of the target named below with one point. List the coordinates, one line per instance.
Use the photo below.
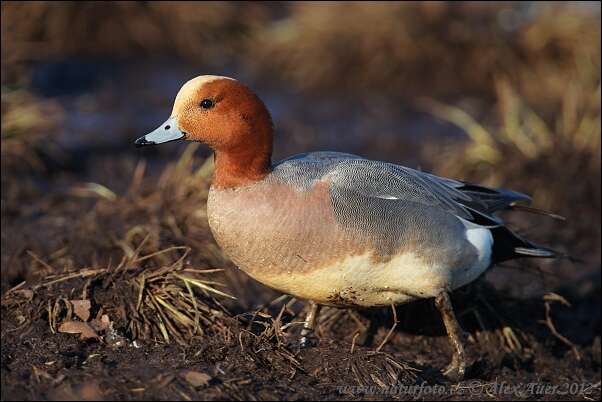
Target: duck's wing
(377, 192)
(391, 181)
(375, 179)
(482, 198)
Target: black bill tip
(142, 141)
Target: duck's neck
(241, 167)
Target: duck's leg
(457, 367)
(310, 324)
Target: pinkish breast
(274, 228)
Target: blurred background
(499, 93)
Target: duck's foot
(308, 336)
(457, 368)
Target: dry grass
(436, 48)
(175, 302)
(28, 135)
(38, 31)
(155, 291)
(166, 211)
(395, 49)
(522, 132)
(26, 121)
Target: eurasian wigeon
(333, 228)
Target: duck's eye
(207, 103)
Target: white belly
(359, 281)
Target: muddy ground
(113, 288)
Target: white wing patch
(482, 239)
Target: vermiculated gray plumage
(354, 177)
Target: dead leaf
(196, 378)
(89, 391)
(40, 374)
(78, 327)
(162, 380)
(101, 324)
(81, 308)
(24, 293)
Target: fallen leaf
(81, 308)
(162, 380)
(25, 293)
(196, 378)
(101, 324)
(40, 374)
(89, 391)
(78, 327)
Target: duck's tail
(508, 245)
(519, 207)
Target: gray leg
(457, 367)
(310, 324)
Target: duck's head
(227, 116)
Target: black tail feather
(490, 200)
(508, 245)
(535, 252)
(519, 207)
(485, 202)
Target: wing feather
(376, 179)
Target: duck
(336, 229)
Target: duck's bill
(166, 132)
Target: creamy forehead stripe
(189, 88)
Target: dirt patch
(258, 359)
